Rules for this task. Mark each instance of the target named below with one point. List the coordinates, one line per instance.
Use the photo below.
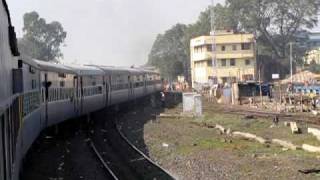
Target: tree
(41, 40)
(169, 53)
(276, 22)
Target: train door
(107, 82)
(46, 86)
(145, 77)
(81, 94)
(5, 146)
(131, 88)
(76, 95)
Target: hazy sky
(110, 32)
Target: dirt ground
(191, 150)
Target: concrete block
(294, 128)
(188, 102)
(220, 128)
(285, 144)
(315, 132)
(310, 148)
(287, 124)
(198, 105)
(251, 137)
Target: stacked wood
(310, 148)
(250, 137)
(285, 144)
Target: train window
(32, 70)
(55, 94)
(62, 75)
(33, 84)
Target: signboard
(275, 76)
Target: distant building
(314, 40)
(312, 56)
(235, 55)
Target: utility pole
(212, 33)
(291, 68)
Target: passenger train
(35, 94)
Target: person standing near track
(163, 99)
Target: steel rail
(105, 165)
(142, 154)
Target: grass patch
(261, 127)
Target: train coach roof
(135, 71)
(48, 66)
(114, 70)
(86, 70)
(30, 61)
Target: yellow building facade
(235, 56)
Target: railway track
(121, 159)
(109, 172)
(267, 114)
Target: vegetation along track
(121, 158)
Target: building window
(232, 62)
(33, 84)
(209, 63)
(224, 80)
(223, 62)
(209, 48)
(234, 47)
(247, 77)
(245, 46)
(248, 62)
(223, 48)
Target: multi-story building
(235, 56)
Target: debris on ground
(165, 145)
(310, 171)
